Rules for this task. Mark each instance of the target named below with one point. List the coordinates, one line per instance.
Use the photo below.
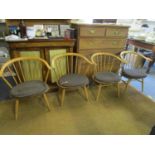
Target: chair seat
(107, 77)
(29, 88)
(134, 73)
(73, 80)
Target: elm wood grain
(73, 76)
(22, 87)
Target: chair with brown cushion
(134, 67)
(106, 70)
(70, 70)
(29, 75)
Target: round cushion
(107, 77)
(134, 73)
(29, 88)
(73, 80)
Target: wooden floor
(132, 113)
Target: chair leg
(118, 90)
(16, 108)
(62, 96)
(99, 91)
(46, 102)
(142, 85)
(127, 84)
(86, 93)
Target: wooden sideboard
(93, 38)
(44, 48)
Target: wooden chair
(25, 82)
(134, 67)
(70, 70)
(106, 68)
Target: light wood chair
(70, 70)
(106, 70)
(134, 67)
(23, 71)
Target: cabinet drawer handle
(116, 32)
(92, 31)
(114, 43)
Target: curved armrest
(146, 58)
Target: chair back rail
(134, 59)
(106, 62)
(24, 69)
(70, 63)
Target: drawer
(92, 31)
(88, 53)
(99, 43)
(116, 32)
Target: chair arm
(146, 58)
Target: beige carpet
(132, 113)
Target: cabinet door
(49, 54)
(32, 70)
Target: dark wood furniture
(104, 20)
(31, 22)
(43, 48)
(143, 45)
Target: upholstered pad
(134, 73)
(73, 80)
(107, 77)
(29, 88)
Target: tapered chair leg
(62, 96)
(127, 84)
(142, 85)
(118, 89)
(99, 91)
(16, 109)
(86, 93)
(46, 102)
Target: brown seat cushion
(73, 80)
(134, 73)
(107, 77)
(29, 88)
